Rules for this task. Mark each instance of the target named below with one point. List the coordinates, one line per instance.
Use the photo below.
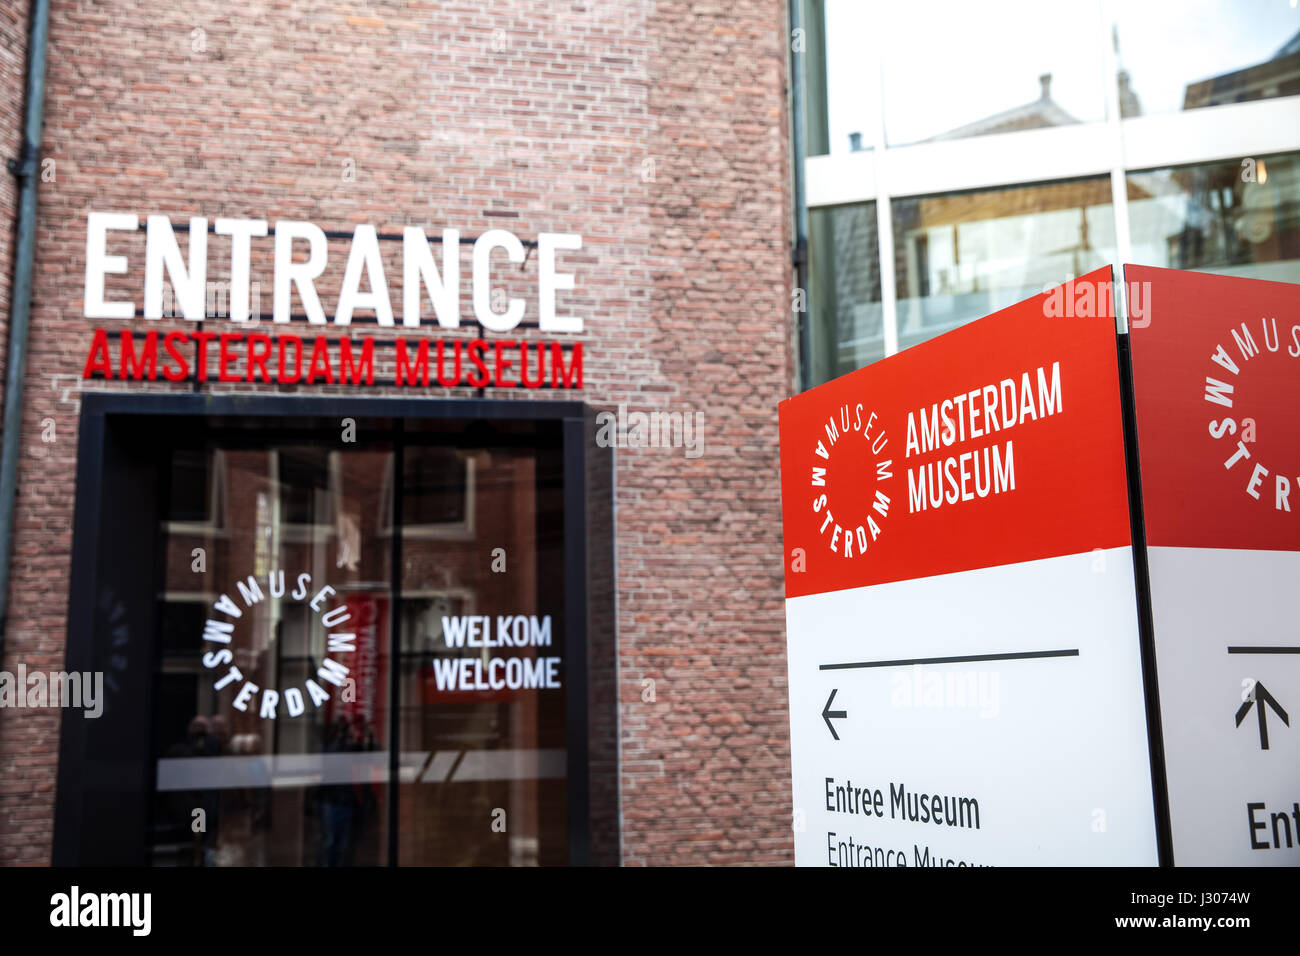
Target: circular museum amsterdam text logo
(219, 630)
(848, 474)
(1224, 388)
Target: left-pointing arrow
(827, 713)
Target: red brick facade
(657, 131)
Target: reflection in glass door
(288, 564)
(269, 753)
(483, 701)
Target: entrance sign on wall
(179, 284)
(1216, 379)
(965, 671)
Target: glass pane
(961, 256)
(1234, 217)
(482, 672)
(842, 101)
(955, 69)
(272, 720)
(435, 484)
(1205, 53)
(191, 491)
(844, 260)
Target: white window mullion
(884, 220)
(1213, 133)
(888, 291)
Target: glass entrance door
(272, 729)
(483, 684)
(357, 632)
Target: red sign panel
(1217, 387)
(997, 443)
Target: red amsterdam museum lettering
(288, 358)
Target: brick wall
(17, 782)
(657, 131)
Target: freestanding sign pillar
(966, 683)
(1216, 380)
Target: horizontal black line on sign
(1262, 649)
(335, 234)
(968, 658)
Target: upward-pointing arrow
(1259, 698)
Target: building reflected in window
(963, 255)
(954, 69)
(1001, 137)
(1036, 114)
(844, 255)
(1235, 217)
(1208, 53)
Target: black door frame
(99, 504)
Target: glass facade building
(963, 157)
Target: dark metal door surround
(403, 521)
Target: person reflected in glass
(199, 741)
(338, 801)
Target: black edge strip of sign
(963, 659)
(395, 568)
(1264, 649)
(1142, 589)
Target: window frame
(1114, 147)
